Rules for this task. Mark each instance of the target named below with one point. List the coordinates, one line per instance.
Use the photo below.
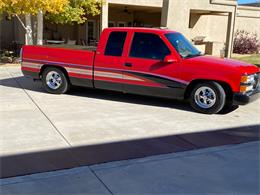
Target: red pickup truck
(156, 62)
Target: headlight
(247, 83)
(248, 79)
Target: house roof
(257, 4)
(141, 29)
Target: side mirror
(170, 59)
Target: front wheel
(208, 97)
(55, 81)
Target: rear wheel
(55, 81)
(208, 97)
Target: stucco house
(209, 23)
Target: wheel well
(225, 86)
(53, 66)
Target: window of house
(149, 46)
(115, 44)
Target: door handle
(128, 64)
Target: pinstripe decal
(56, 63)
(128, 75)
(108, 74)
(79, 71)
(82, 71)
(31, 65)
(116, 76)
(133, 71)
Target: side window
(150, 46)
(115, 44)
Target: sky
(247, 1)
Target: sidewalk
(232, 169)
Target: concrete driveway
(232, 169)
(95, 126)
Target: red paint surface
(184, 70)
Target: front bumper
(242, 99)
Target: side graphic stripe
(31, 65)
(79, 71)
(86, 72)
(105, 69)
(111, 73)
(140, 72)
(58, 63)
(116, 76)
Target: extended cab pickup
(154, 62)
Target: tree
(25, 8)
(56, 11)
(76, 11)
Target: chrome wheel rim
(205, 97)
(53, 80)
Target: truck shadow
(27, 84)
(76, 156)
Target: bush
(246, 43)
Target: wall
(6, 31)
(248, 18)
(10, 30)
(151, 19)
(214, 27)
(215, 20)
(146, 17)
(118, 15)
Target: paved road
(91, 126)
(219, 170)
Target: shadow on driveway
(42, 161)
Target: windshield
(182, 45)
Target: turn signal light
(247, 79)
(244, 89)
(244, 79)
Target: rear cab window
(115, 43)
(148, 46)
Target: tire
(55, 81)
(208, 97)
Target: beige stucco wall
(179, 13)
(214, 28)
(248, 18)
(216, 19)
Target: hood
(243, 67)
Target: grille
(257, 80)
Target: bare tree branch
(23, 25)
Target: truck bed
(78, 64)
(37, 56)
(73, 47)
